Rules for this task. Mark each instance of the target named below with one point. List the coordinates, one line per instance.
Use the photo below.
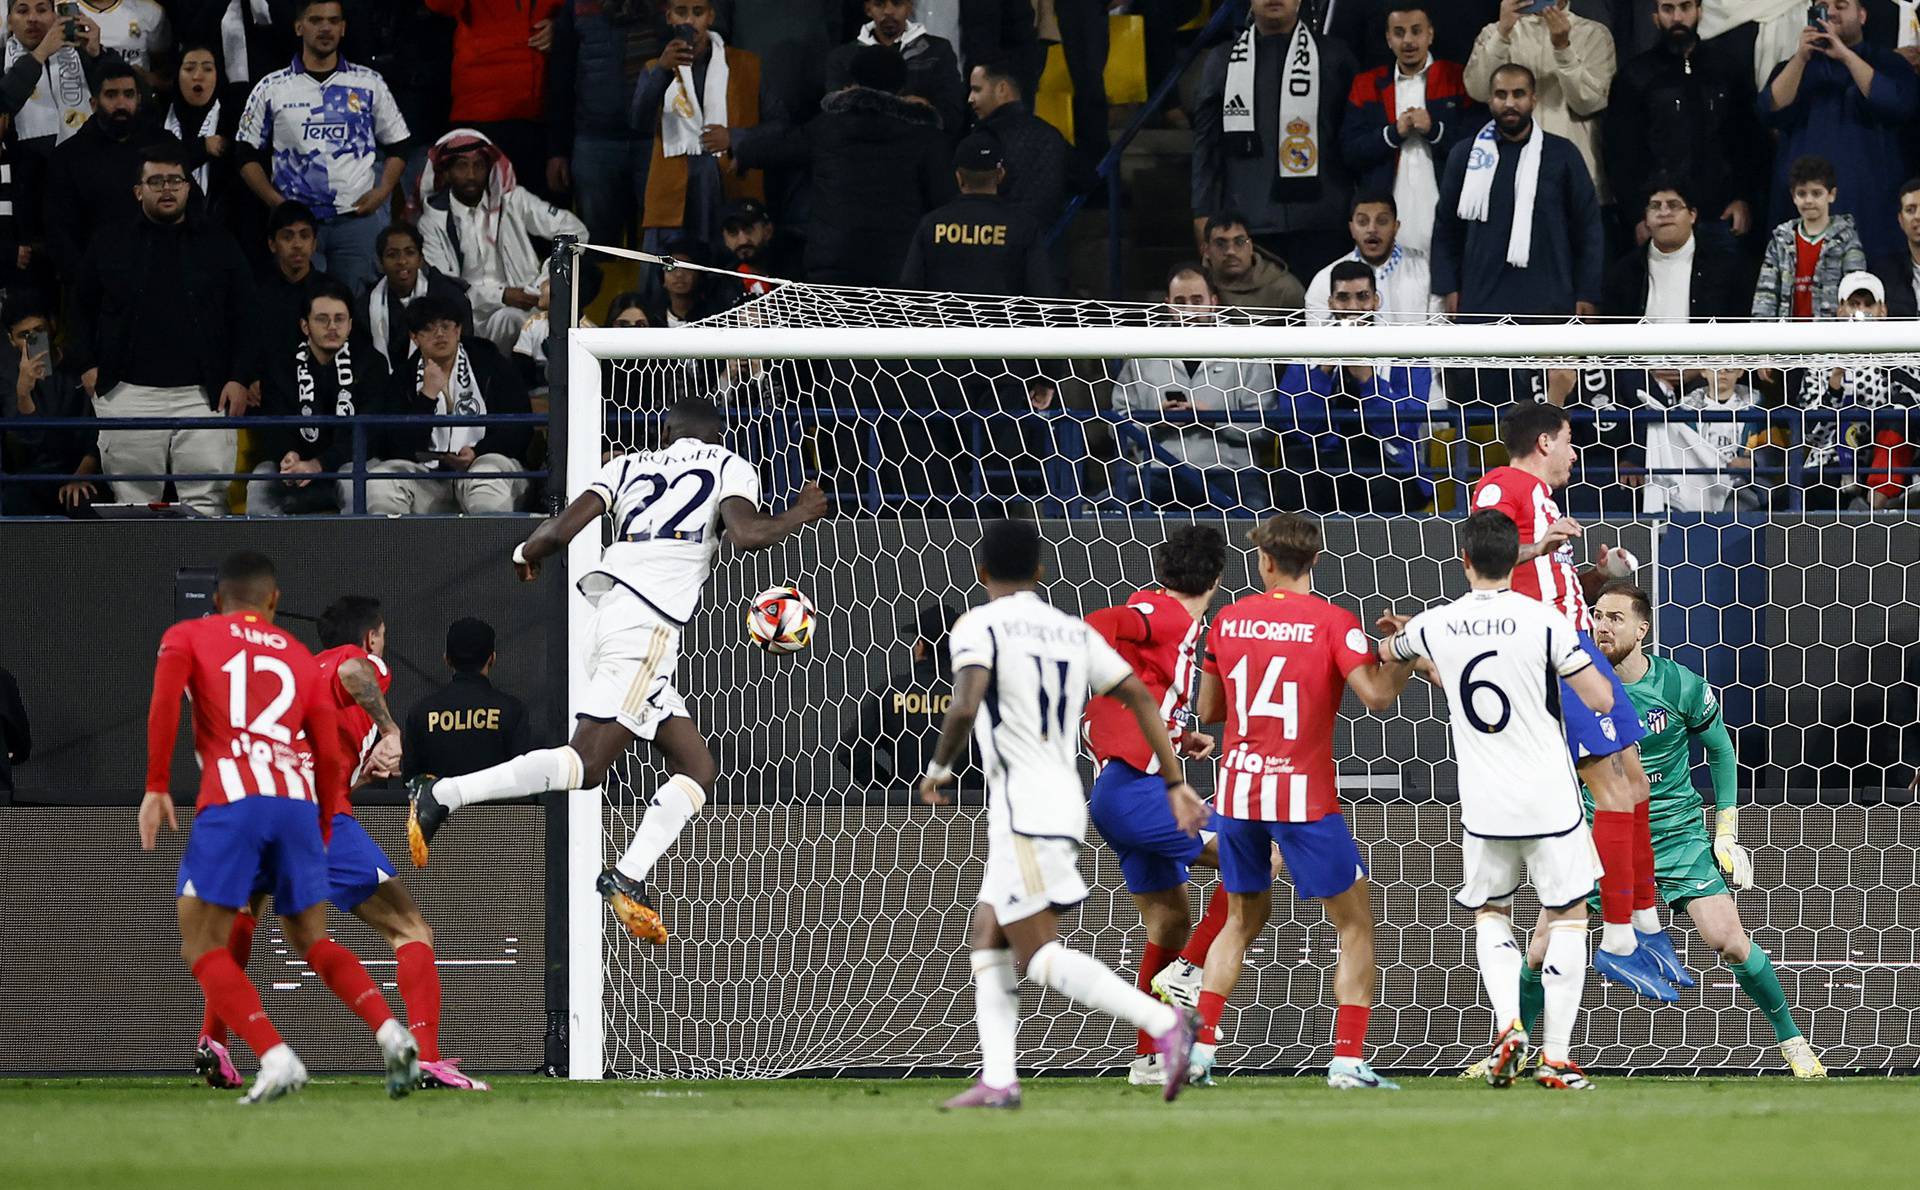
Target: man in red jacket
(500, 75)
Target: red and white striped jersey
(1157, 636)
(1550, 578)
(357, 732)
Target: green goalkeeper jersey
(1678, 705)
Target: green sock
(1533, 998)
(1757, 979)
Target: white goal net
(819, 916)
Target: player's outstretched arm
(1557, 533)
(1188, 810)
(751, 529)
(163, 723)
(1380, 685)
(969, 687)
(554, 533)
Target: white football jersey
(1501, 656)
(135, 29)
(1041, 663)
(665, 508)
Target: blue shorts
(1590, 733)
(1322, 858)
(1130, 810)
(267, 843)
(356, 867)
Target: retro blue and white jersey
(323, 138)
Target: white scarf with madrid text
(1298, 147)
(462, 398)
(684, 115)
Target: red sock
(1195, 951)
(231, 997)
(349, 980)
(240, 946)
(1646, 894)
(1212, 1004)
(420, 988)
(1350, 1030)
(1613, 839)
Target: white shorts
(630, 662)
(1561, 868)
(1027, 874)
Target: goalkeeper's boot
(445, 1074)
(1561, 1076)
(1636, 971)
(1658, 946)
(281, 1073)
(425, 817)
(1178, 983)
(1146, 1071)
(981, 1095)
(1200, 1065)
(1801, 1058)
(1175, 1046)
(213, 1063)
(1508, 1056)
(1352, 1074)
(402, 1054)
(628, 899)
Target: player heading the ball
(1031, 667)
(1502, 659)
(669, 508)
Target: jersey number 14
(1263, 706)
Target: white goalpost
(818, 914)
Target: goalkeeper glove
(1733, 859)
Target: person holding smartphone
(44, 387)
(1573, 63)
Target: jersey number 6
(1470, 689)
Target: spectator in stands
(979, 243)
(1492, 253)
(1005, 35)
(454, 468)
(45, 90)
(87, 176)
(1400, 276)
(877, 163)
(1266, 135)
(44, 387)
(479, 225)
(1039, 160)
(16, 733)
(1800, 276)
(1900, 271)
(500, 74)
(1352, 434)
(1850, 101)
(1677, 275)
(1572, 61)
(334, 370)
(255, 39)
(22, 183)
(1403, 119)
(1683, 110)
(1850, 464)
(193, 116)
(324, 99)
(404, 276)
(1703, 466)
(699, 98)
(136, 30)
(1244, 274)
(282, 294)
(754, 248)
(690, 294)
(1084, 44)
(595, 153)
(1185, 461)
(466, 725)
(933, 69)
(628, 310)
(892, 740)
(160, 308)
(412, 48)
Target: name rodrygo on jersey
(665, 508)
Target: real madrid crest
(1298, 153)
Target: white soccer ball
(780, 620)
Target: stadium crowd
(220, 209)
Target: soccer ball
(780, 620)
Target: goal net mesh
(819, 914)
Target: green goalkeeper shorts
(1683, 868)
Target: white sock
(524, 775)
(1565, 979)
(673, 803)
(1086, 980)
(996, 1014)
(1500, 963)
(1616, 937)
(1647, 921)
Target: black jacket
(1722, 282)
(1691, 117)
(1002, 31)
(979, 243)
(90, 183)
(878, 163)
(182, 286)
(893, 741)
(283, 395)
(1039, 162)
(279, 305)
(933, 74)
(399, 344)
(501, 391)
(463, 727)
(1896, 273)
(47, 452)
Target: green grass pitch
(156, 1134)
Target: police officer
(978, 243)
(465, 725)
(900, 722)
